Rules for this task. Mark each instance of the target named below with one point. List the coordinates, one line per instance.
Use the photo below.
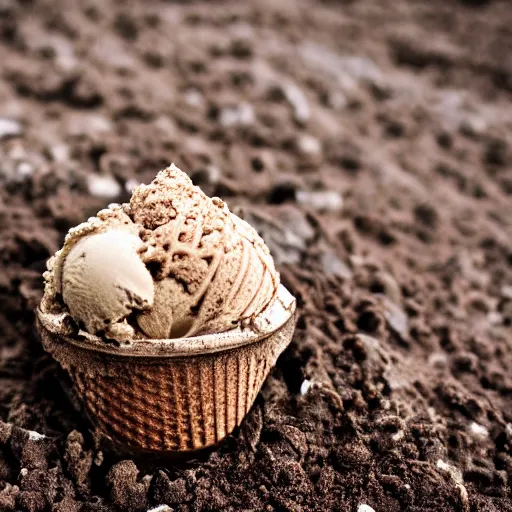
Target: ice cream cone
(171, 395)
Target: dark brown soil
(370, 142)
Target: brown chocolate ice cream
(171, 263)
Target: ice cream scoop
(104, 280)
(171, 263)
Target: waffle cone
(171, 395)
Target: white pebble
(241, 115)
(494, 318)
(309, 145)
(398, 436)
(304, 387)
(35, 436)
(194, 97)
(437, 359)
(322, 201)
(451, 470)
(99, 124)
(98, 460)
(10, 128)
(506, 291)
(299, 103)
(357, 260)
(24, 169)
(337, 100)
(66, 62)
(479, 430)
(103, 186)
(59, 153)
(365, 508)
(165, 126)
(397, 318)
(441, 464)
(160, 508)
(473, 125)
(214, 174)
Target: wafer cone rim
(269, 321)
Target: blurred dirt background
(370, 143)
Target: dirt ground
(370, 143)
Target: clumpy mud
(370, 144)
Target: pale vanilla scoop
(171, 263)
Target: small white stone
(59, 153)
(160, 508)
(494, 318)
(24, 472)
(451, 470)
(506, 291)
(304, 387)
(98, 460)
(10, 128)
(397, 318)
(24, 169)
(398, 435)
(337, 100)
(299, 103)
(35, 436)
(322, 201)
(441, 464)
(99, 124)
(365, 508)
(479, 430)
(66, 62)
(309, 145)
(194, 98)
(214, 174)
(473, 125)
(240, 115)
(246, 114)
(432, 413)
(357, 260)
(103, 186)
(437, 359)
(165, 125)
